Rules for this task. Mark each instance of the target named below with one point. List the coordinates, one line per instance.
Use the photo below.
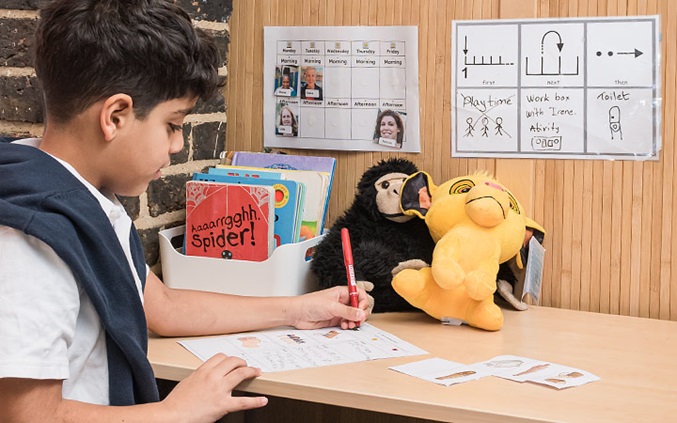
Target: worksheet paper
(289, 349)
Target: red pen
(350, 271)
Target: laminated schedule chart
(341, 88)
(579, 88)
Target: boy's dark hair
(88, 50)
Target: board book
(288, 195)
(294, 162)
(312, 212)
(230, 221)
(248, 172)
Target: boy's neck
(79, 144)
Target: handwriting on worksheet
(289, 349)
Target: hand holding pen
(327, 307)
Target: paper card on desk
(561, 377)
(522, 369)
(440, 371)
(290, 349)
(512, 367)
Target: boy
(76, 298)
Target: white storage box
(286, 272)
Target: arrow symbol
(636, 53)
(465, 48)
(559, 45)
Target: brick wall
(162, 206)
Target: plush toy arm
(469, 258)
(416, 264)
(505, 290)
(480, 283)
(446, 269)
(482, 268)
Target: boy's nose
(177, 143)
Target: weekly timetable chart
(341, 88)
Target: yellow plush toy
(476, 224)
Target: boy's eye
(174, 128)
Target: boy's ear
(116, 112)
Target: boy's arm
(210, 386)
(33, 400)
(175, 312)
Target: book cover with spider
(229, 221)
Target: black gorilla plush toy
(382, 237)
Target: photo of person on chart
(286, 81)
(310, 88)
(389, 129)
(287, 124)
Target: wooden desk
(635, 358)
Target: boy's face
(146, 145)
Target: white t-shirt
(49, 328)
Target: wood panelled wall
(612, 225)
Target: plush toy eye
(385, 184)
(513, 203)
(461, 187)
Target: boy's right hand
(207, 394)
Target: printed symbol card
(511, 367)
(230, 221)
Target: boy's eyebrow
(183, 112)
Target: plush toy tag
(450, 321)
(534, 272)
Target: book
(230, 221)
(293, 162)
(288, 194)
(247, 171)
(316, 184)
